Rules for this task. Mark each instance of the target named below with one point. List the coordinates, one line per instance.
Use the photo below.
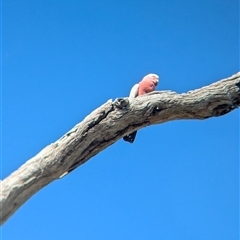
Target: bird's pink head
(152, 78)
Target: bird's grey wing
(134, 91)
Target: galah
(147, 85)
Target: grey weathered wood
(106, 125)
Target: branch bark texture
(105, 126)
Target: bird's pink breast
(145, 87)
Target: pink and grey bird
(147, 85)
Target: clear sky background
(61, 59)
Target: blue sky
(62, 59)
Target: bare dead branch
(105, 126)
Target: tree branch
(105, 126)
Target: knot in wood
(121, 103)
(157, 108)
(221, 110)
